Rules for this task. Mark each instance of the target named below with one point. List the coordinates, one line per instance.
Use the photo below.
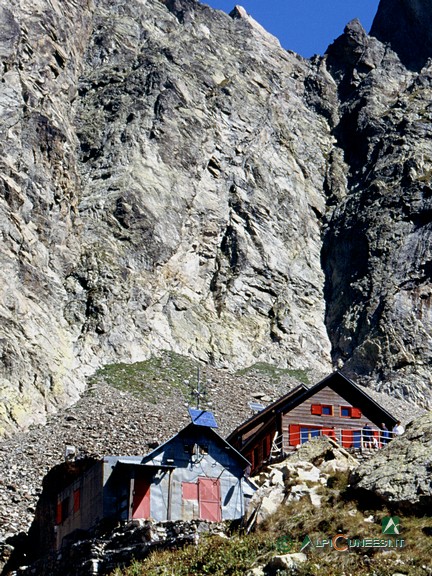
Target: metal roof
(134, 463)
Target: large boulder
(320, 452)
(300, 475)
(400, 473)
(285, 562)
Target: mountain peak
(406, 25)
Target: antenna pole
(199, 388)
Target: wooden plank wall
(302, 415)
(259, 451)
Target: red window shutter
(356, 413)
(316, 409)
(76, 500)
(294, 434)
(347, 438)
(329, 432)
(59, 513)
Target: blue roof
(202, 418)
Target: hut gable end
(335, 407)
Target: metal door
(209, 499)
(141, 498)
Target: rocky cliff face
(173, 179)
(376, 247)
(405, 25)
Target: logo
(344, 543)
(390, 525)
(284, 544)
(306, 542)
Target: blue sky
(305, 26)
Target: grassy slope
(339, 513)
(170, 372)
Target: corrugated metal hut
(194, 475)
(203, 479)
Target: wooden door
(209, 499)
(141, 498)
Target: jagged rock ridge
(405, 25)
(173, 179)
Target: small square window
(350, 412)
(326, 410)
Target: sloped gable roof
(257, 421)
(199, 432)
(355, 395)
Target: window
(351, 438)
(322, 409)
(309, 432)
(350, 412)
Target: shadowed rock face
(376, 247)
(171, 178)
(407, 26)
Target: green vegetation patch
(214, 555)
(274, 372)
(286, 531)
(153, 379)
